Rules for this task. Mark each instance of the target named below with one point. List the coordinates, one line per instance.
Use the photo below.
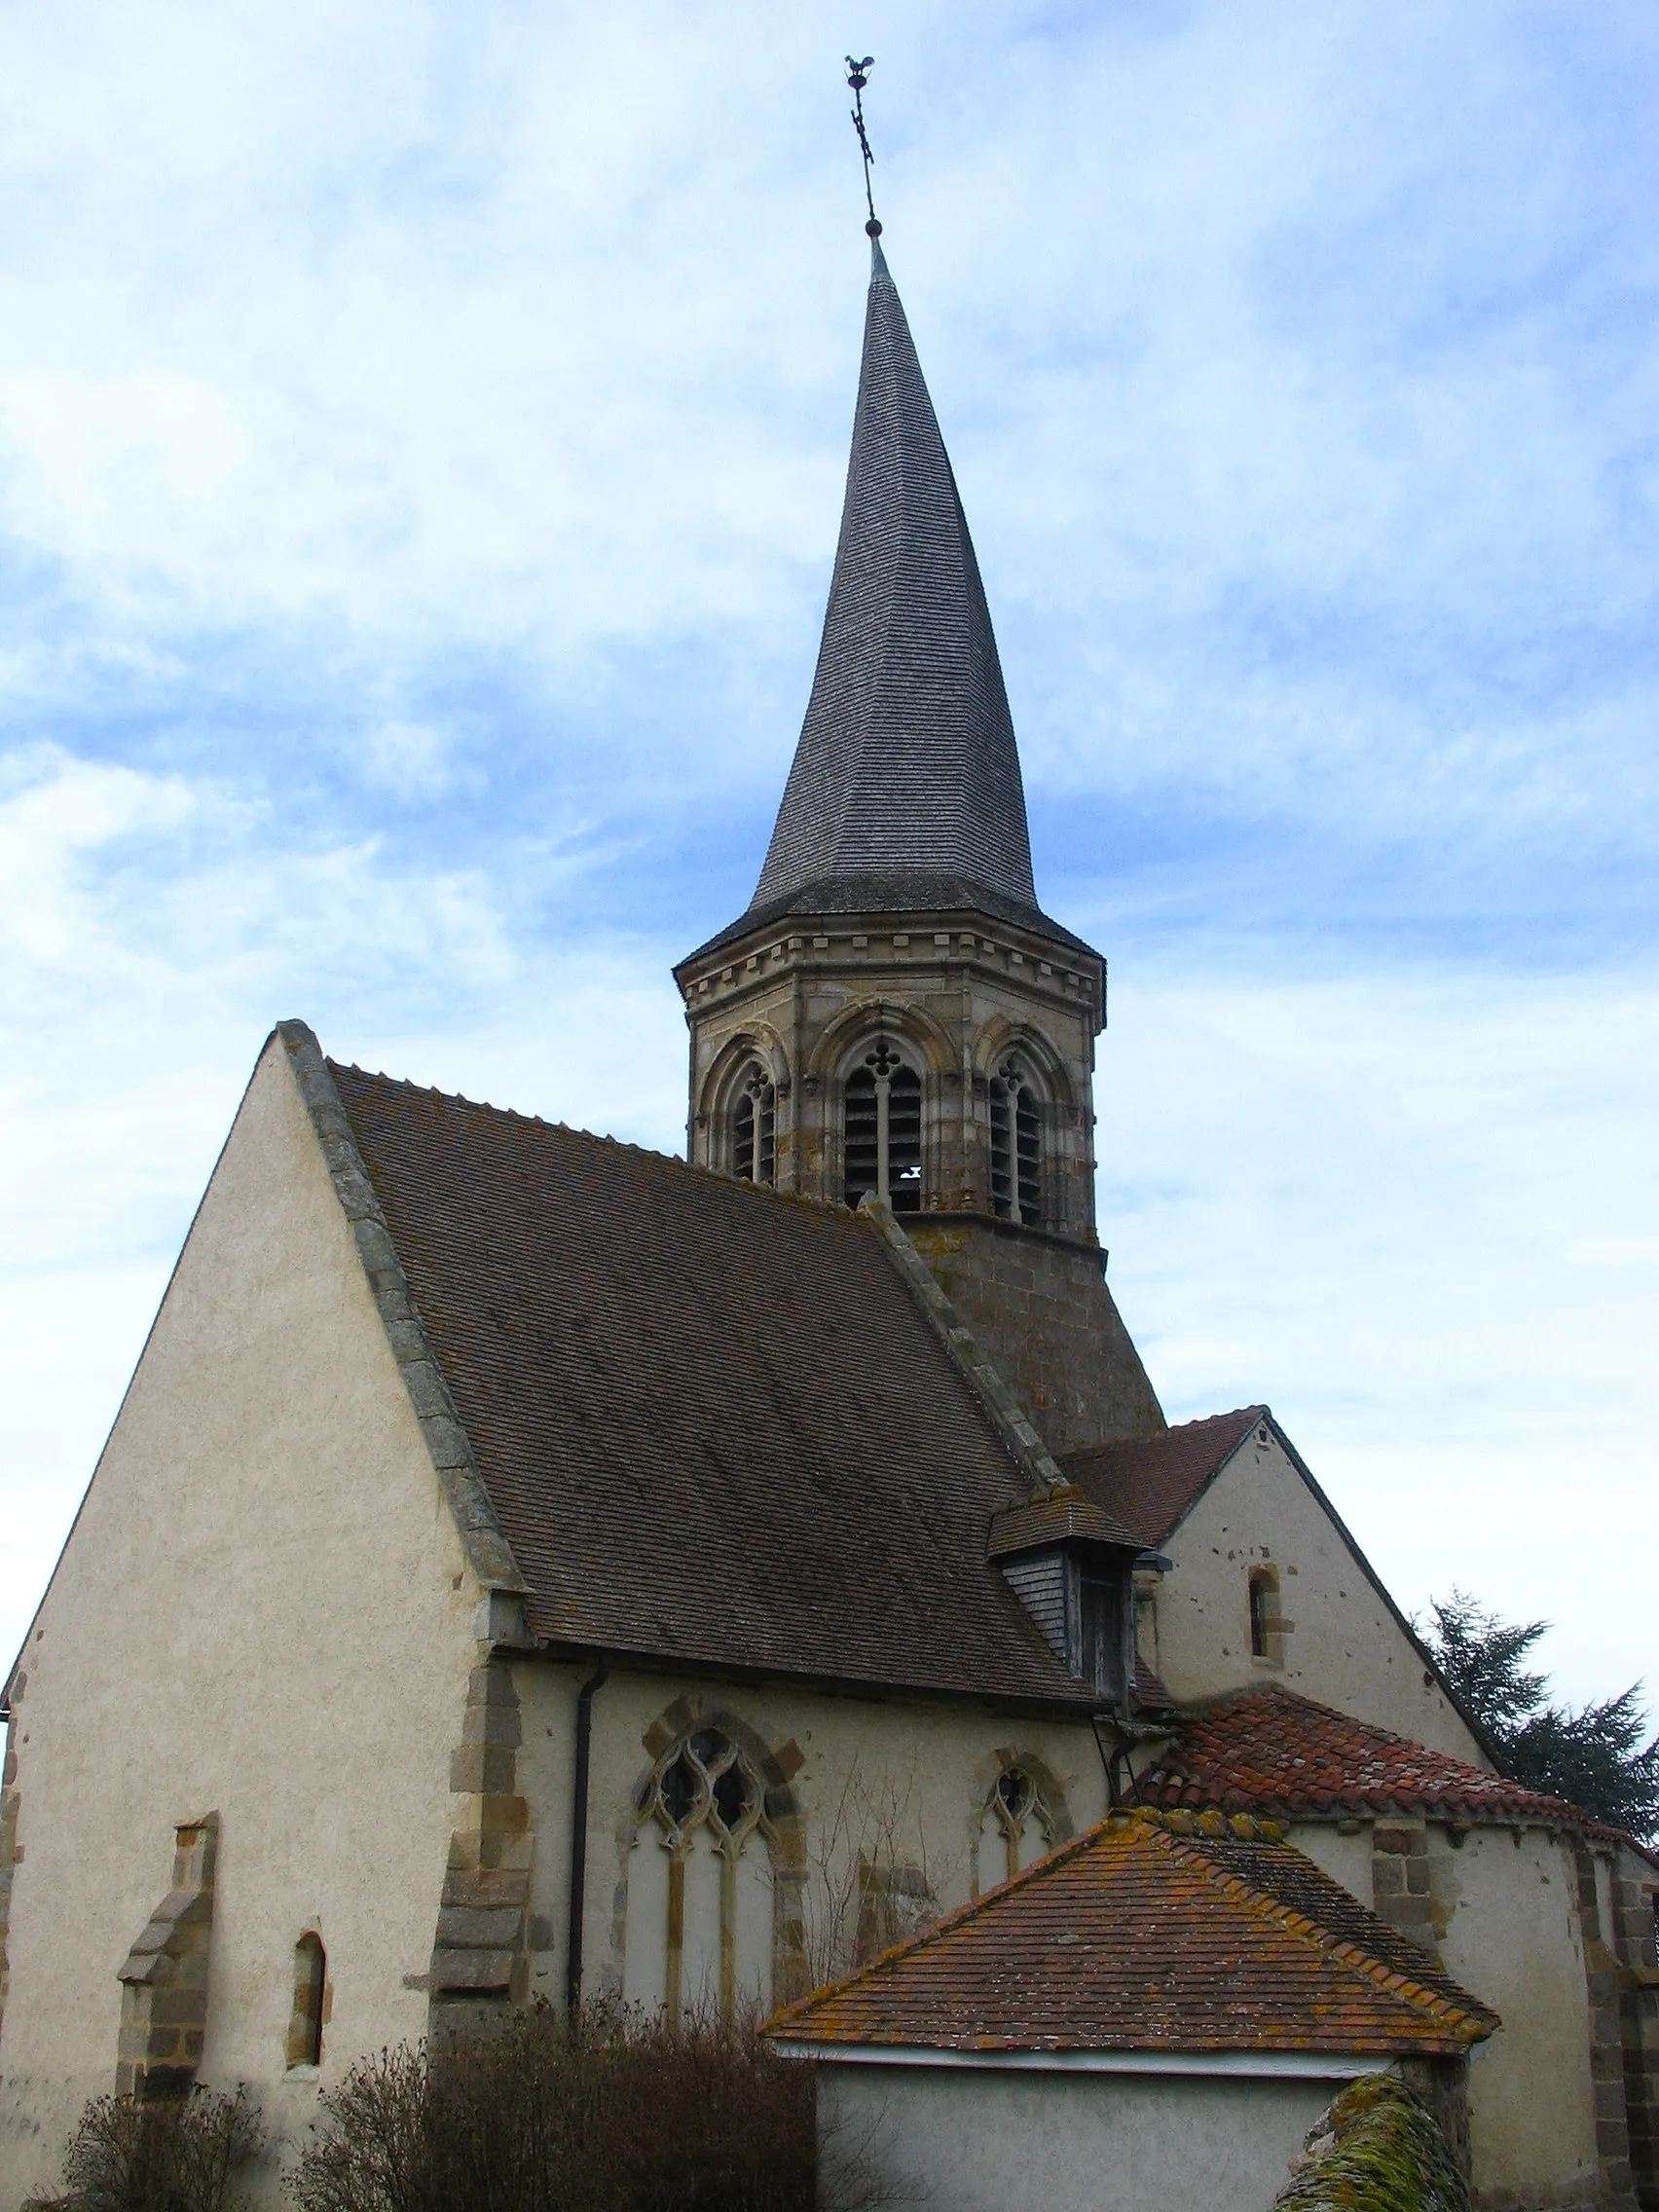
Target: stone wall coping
(1006, 1416)
(1015, 1231)
(453, 1461)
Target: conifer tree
(1594, 1757)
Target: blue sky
(422, 432)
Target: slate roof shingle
(1154, 1932)
(713, 1423)
(1272, 1752)
(906, 759)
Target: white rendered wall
(263, 1610)
(1346, 1859)
(978, 2139)
(1506, 1923)
(1512, 1935)
(895, 1780)
(1344, 1647)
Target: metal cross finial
(858, 77)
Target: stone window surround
(785, 1829)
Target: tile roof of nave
(714, 1423)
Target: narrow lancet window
(1016, 1147)
(1264, 1622)
(310, 1983)
(754, 1129)
(882, 1131)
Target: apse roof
(1267, 1750)
(712, 1423)
(1152, 1933)
(906, 762)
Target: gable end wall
(1340, 1641)
(264, 1608)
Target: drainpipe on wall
(579, 1836)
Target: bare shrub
(626, 2116)
(177, 2155)
(870, 1883)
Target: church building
(525, 1565)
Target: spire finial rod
(858, 77)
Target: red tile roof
(713, 1424)
(1155, 1931)
(1269, 1751)
(1152, 1482)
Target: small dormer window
(882, 1131)
(1016, 1147)
(753, 1128)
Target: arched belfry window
(1016, 1147)
(882, 1131)
(699, 1927)
(754, 1128)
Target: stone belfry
(895, 1015)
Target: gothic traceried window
(1017, 1828)
(754, 1126)
(699, 1936)
(882, 1131)
(1016, 1147)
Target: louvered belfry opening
(754, 1129)
(1016, 1147)
(882, 1131)
(862, 1147)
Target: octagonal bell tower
(894, 1014)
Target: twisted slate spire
(906, 768)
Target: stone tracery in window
(709, 1780)
(705, 1807)
(1016, 1146)
(753, 1128)
(882, 1131)
(1017, 1828)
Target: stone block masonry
(1607, 2046)
(1634, 1887)
(163, 1984)
(479, 1961)
(1039, 1306)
